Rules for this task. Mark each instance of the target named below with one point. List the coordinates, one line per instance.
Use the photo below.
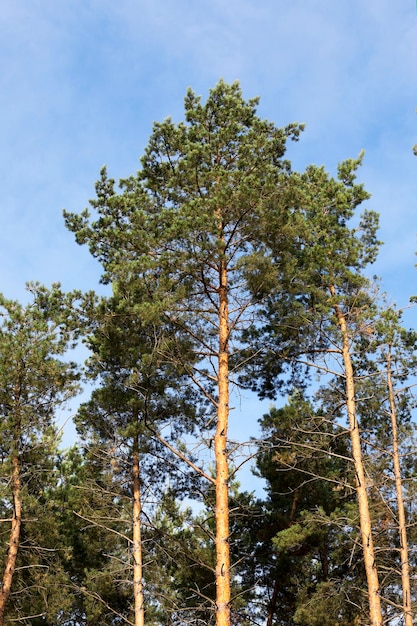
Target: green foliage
(326, 607)
(166, 239)
(328, 251)
(203, 195)
(303, 534)
(215, 195)
(35, 381)
(139, 393)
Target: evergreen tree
(331, 306)
(35, 382)
(180, 240)
(126, 467)
(305, 529)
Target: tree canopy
(230, 273)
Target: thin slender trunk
(402, 527)
(273, 604)
(222, 469)
(137, 541)
(375, 613)
(14, 537)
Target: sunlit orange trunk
(222, 469)
(375, 614)
(137, 542)
(14, 537)
(402, 525)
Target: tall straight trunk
(14, 537)
(221, 459)
(137, 541)
(375, 613)
(402, 526)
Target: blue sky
(81, 82)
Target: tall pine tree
(181, 239)
(330, 308)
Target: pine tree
(35, 382)
(304, 537)
(330, 308)
(180, 239)
(126, 467)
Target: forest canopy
(229, 272)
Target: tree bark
(375, 613)
(221, 459)
(272, 604)
(402, 525)
(11, 558)
(137, 541)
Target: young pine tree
(304, 541)
(35, 381)
(139, 399)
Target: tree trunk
(137, 541)
(272, 604)
(222, 469)
(10, 565)
(375, 613)
(402, 527)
